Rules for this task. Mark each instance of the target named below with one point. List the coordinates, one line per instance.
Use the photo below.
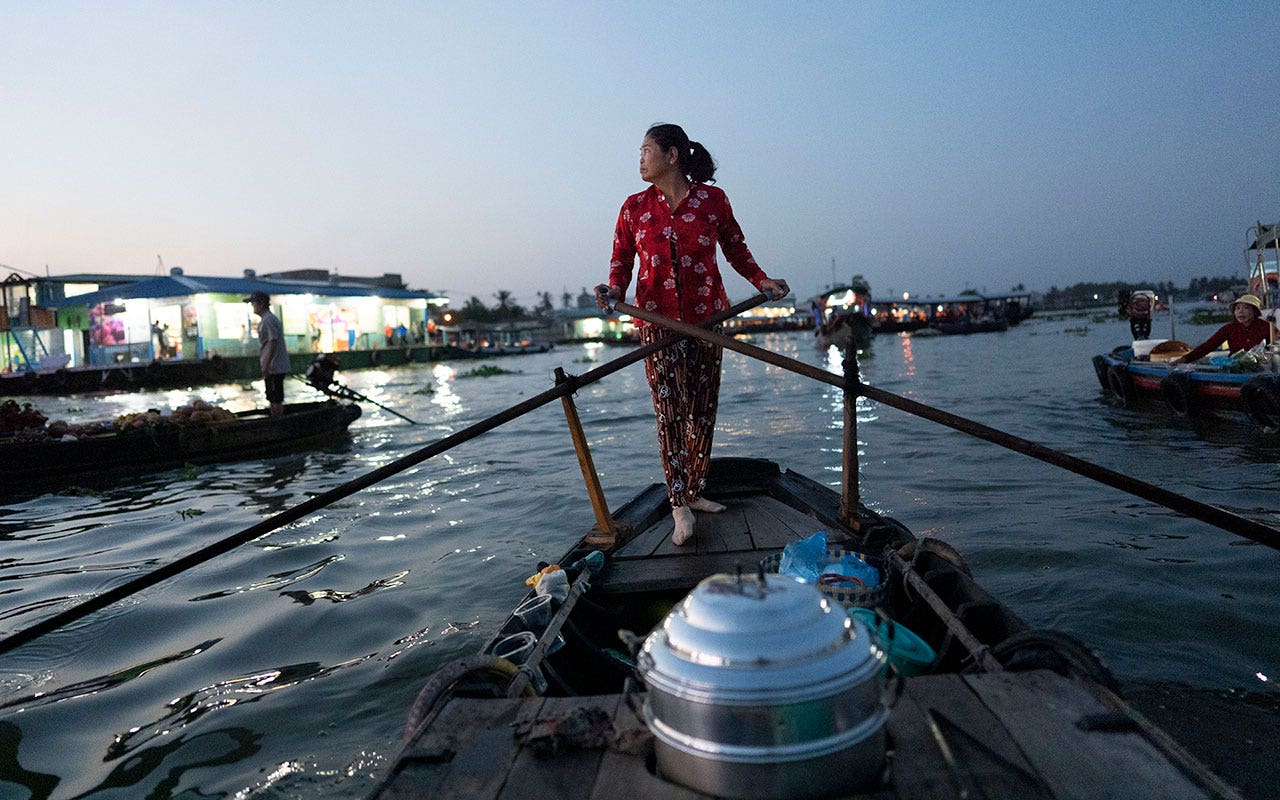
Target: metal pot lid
(739, 635)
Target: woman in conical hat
(1245, 331)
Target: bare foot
(683, 515)
(709, 506)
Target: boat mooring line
(1218, 517)
(117, 593)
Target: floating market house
(181, 316)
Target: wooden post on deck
(849, 498)
(604, 522)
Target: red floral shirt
(690, 289)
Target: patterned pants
(685, 380)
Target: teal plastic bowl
(908, 653)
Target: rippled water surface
(284, 669)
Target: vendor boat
(1192, 390)
(842, 316)
(1247, 384)
(980, 704)
(40, 459)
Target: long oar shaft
(347, 393)
(1220, 518)
(364, 399)
(347, 489)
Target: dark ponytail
(695, 162)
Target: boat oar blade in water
(320, 375)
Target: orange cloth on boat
(1238, 337)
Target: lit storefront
(182, 317)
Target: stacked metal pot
(759, 687)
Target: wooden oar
(349, 488)
(335, 389)
(1219, 518)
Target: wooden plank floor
(757, 522)
(1006, 735)
(750, 528)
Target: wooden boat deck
(1002, 735)
(752, 527)
(956, 735)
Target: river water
(284, 669)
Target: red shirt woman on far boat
(1246, 331)
(674, 227)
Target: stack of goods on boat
(36, 451)
(28, 424)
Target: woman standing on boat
(1246, 331)
(673, 226)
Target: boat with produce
(36, 452)
(1242, 383)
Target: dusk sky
(474, 147)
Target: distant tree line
(1084, 295)
(506, 309)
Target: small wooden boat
(1003, 710)
(649, 673)
(842, 316)
(251, 434)
(1190, 390)
(845, 330)
(1248, 385)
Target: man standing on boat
(674, 227)
(272, 355)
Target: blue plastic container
(907, 652)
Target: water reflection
(183, 711)
(39, 785)
(155, 771)
(337, 596)
(276, 581)
(443, 396)
(103, 682)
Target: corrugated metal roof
(186, 285)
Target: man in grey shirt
(272, 355)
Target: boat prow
(1000, 706)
